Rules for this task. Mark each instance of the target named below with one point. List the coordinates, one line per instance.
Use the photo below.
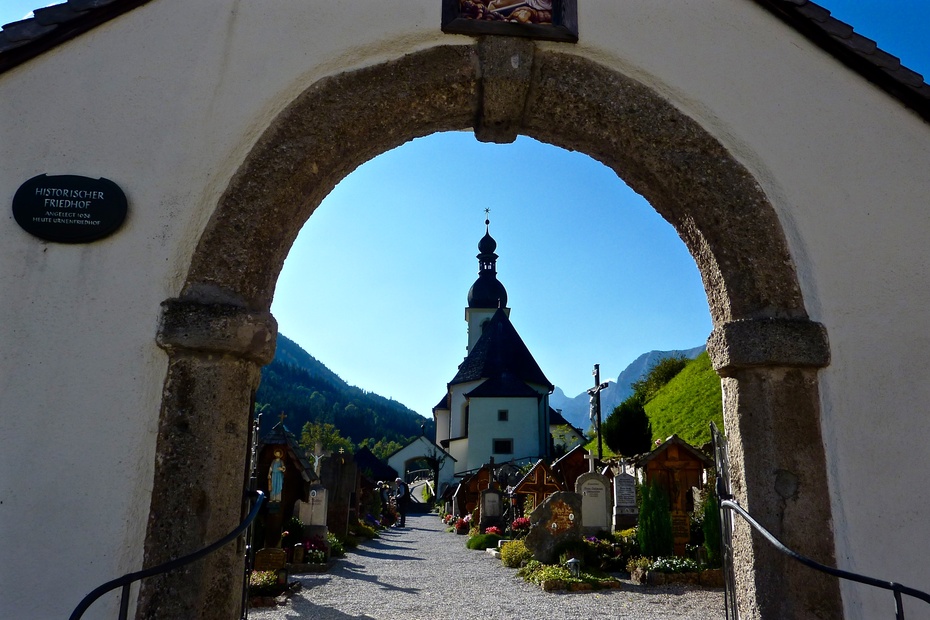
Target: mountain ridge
(576, 410)
(353, 409)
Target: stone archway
(219, 331)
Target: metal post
(597, 382)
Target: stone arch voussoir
(763, 343)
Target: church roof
(500, 354)
(444, 403)
(424, 440)
(368, 463)
(487, 292)
(557, 419)
(507, 386)
(22, 40)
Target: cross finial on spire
(487, 216)
(282, 416)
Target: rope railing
(127, 580)
(896, 588)
(728, 505)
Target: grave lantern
(574, 567)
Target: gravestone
(626, 513)
(339, 475)
(567, 469)
(681, 530)
(491, 508)
(557, 520)
(269, 559)
(458, 501)
(594, 490)
(536, 485)
(469, 491)
(313, 513)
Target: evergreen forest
(306, 391)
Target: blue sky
(593, 274)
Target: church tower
(487, 294)
(497, 404)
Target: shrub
(364, 530)
(711, 527)
(264, 583)
(536, 572)
(336, 548)
(626, 546)
(604, 554)
(640, 562)
(627, 429)
(655, 523)
(580, 549)
(482, 541)
(514, 554)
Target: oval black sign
(69, 208)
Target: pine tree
(711, 528)
(654, 531)
(627, 430)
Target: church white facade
(497, 404)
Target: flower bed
(552, 577)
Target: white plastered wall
(418, 448)
(522, 426)
(167, 100)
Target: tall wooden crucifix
(595, 397)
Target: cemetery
(571, 531)
(578, 523)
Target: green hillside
(299, 385)
(688, 403)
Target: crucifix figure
(317, 455)
(595, 397)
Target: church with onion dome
(497, 404)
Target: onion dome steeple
(487, 291)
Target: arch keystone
(506, 73)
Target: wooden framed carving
(551, 20)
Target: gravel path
(422, 572)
